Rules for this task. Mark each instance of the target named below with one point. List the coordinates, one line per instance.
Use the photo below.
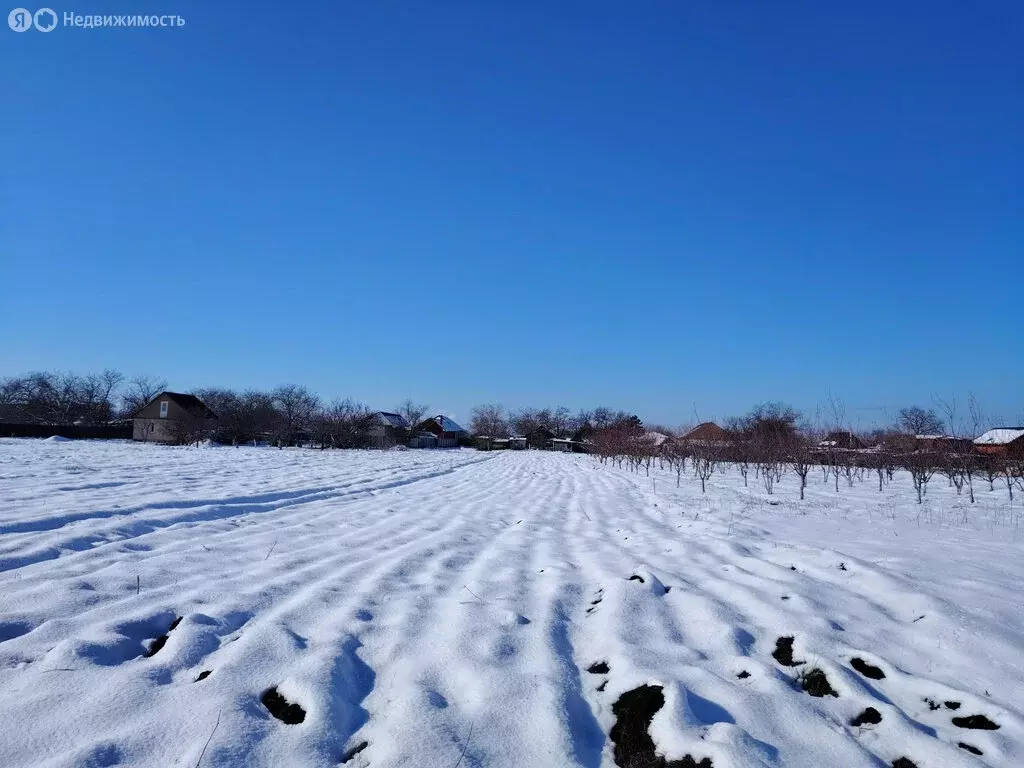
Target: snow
(444, 607)
(1000, 436)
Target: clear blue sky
(681, 208)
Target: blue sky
(678, 208)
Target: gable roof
(190, 403)
(1000, 436)
(446, 424)
(393, 419)
(706, 431)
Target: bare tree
(489, 420)
(412, 412)
(140, 390)
(918, 421)
(296, 408)
(922, 467)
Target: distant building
(1002, 441)
(708, 433)
(447, 433)
(942, 444)
(172, 417)
(387, 429)
(845, 440)
(540, 438)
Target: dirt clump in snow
(952, 704)
(970, 748)
(350, 753)
(816, 684)
(633, 744)
(203, 675)
(783, 652)
(903, 762)
(279, 707)
(161, 641)
(977, 722)
(868, 670)
(634, 577)
(743, 675)
(598, 668)
(869, 716)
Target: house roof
(658, 438)
(448, 425)
(1000, 436)
(393, 419)
(707, 431)
(189, 403)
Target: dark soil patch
(903, 762)
(598, 668)
(634, 577)
(792, 567)
(633, 745)
(783, 652)
(869, 671)
(970, 748)
(815, 683)
(952, 704)
(602, 686)
(204, 674)
(278, 705)
(350, 753)
(743, 675)
(977, 722)
(161, 641)
(785, 597)
(932, 704)
(842, 567)
(595, 602)
(869, 716)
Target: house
(517, 443)
(540, 438)
(844, 440)
(942, 444)
(1002, 441)
(447, 433)
(173, 417)
(707, 433)
(387, 429)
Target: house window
(163, 409)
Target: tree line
(775, 439)
(285, 415)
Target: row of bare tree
(773, 440)
(493, 420)
(59, 398)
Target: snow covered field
(445, 608)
